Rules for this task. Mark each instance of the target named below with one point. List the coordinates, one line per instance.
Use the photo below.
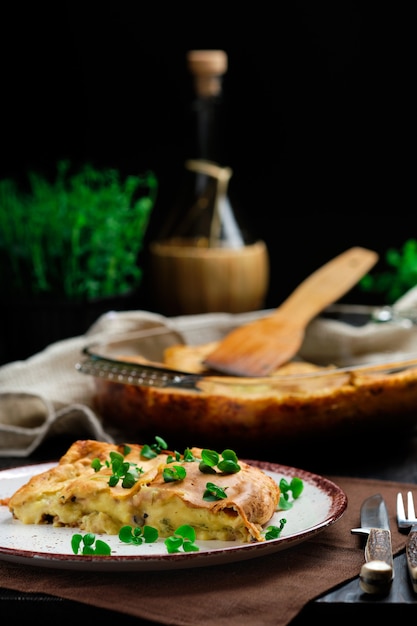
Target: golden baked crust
(74, 494)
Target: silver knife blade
(378, 571)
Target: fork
(409, 521)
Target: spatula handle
(327, 284)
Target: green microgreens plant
(295, 488)
(210, 459)
(273, 532)
(138, 535)
(187, 456)
(122, 470)
(214, 492)
(183, 538)
(76, 237)
(290, 491)
(398, 275)
(150, 451)
(88, 544)
(173, 473)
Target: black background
(318, 100)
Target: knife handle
(411, 551)
(378, 546)
(377, 573)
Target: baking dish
(371, 387)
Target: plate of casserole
(320, 505)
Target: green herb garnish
(273, 532)
(172, 458)
(214, 492)
(150, 451)
(173, 473)
(138, 535)
(122, 470)
(88, 544)
(187, 456)
(294, 487)
(228, 464)
(184, 537)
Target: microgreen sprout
(184, 537)
(273, 532)
(214, 492)
(187, 456)
(228, 464)
(150, 451)
(174, 457)
(122, 470)
(174, 472)
(96, 464)
(138, 535)
(88, 544)
(295, 487)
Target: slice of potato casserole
(82, 491)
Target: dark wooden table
(385, 458)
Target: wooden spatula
(259, 347)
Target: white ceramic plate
(321, 504)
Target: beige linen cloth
(45, 395)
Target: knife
(377, 572)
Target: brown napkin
(269, 590)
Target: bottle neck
(207, 127)
(207, 68)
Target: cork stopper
(207, 67)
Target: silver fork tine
(401, 519)
(410, 507)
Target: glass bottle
(204, 259)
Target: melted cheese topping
(74, 494)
